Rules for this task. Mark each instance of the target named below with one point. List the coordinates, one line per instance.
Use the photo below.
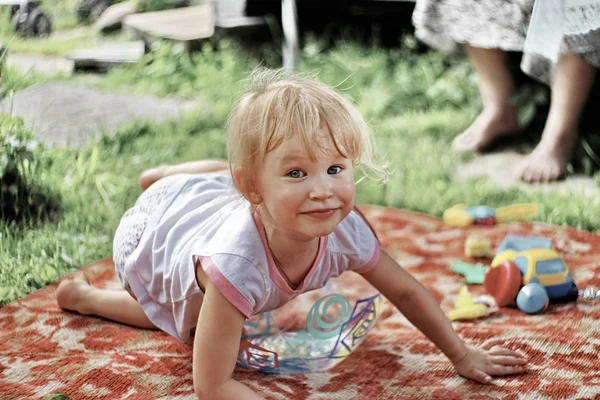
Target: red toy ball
(503, 283)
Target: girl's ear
(246, 184)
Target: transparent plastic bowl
(314, 331)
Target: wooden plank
(241, 22)
(109, 55)
(185, 24)
(39, 63)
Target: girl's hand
(490, 359)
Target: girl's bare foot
(70, 293)
(548, 162)
(488, 126)
(149, 176)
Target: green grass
(60, 45)
(62, 13)
(13, 80)
(415, 104)
(48, 46)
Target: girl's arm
(216, 347)
(422, 310)
(417, 304)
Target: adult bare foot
(488, 126)
(71, 291)
(543, 165)
(547, 162)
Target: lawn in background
(415, 103)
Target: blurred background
(92, 92)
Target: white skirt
(134, 222)
(555, 27)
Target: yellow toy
(460, 215)
(465, 307)
(477, 246)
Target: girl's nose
(321, 189)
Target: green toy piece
(473, 273)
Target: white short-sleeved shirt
(202, 219)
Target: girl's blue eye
(334, 169)
(296, 174)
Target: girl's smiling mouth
(322, 213)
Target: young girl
(196, 258)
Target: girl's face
(304, 198)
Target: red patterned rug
(44, 350)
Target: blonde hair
(277, 107)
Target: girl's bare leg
(570, 89)
(149, 176)
(76, 294)
(496, 86)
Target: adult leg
(149, 176)
(496, 86)
(571, 85)
(76, 294)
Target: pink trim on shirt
(230, 292)
(372, 262)
(276, 276)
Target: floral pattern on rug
(44, 350)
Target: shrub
(21, 159)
